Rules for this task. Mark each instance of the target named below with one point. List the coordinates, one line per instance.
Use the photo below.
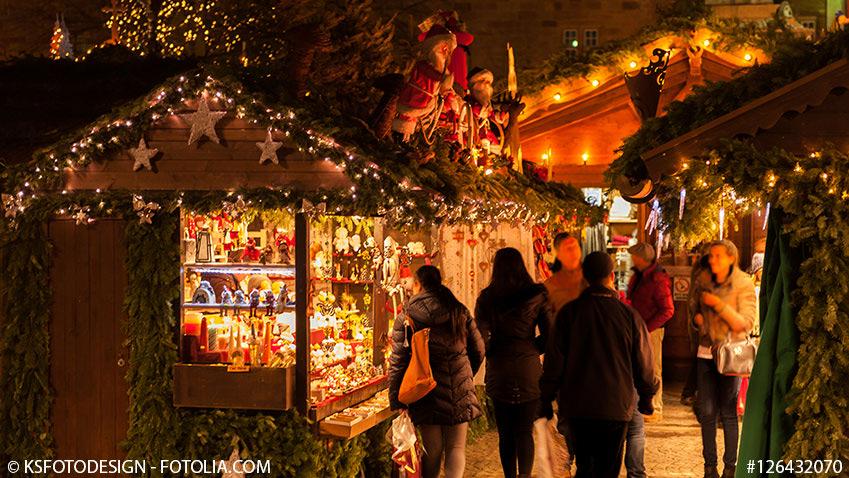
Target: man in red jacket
(650, 292)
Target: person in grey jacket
(725, 308)
(456, 353)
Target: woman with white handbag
(724, 316)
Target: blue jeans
(717, 395)
(635, 447)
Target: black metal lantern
(645, 86)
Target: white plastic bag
(403, 438)
(541, 442)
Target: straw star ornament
(203, 122)
(269, 149)
(142, 155)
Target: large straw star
(142, 155)
(269, 149)
(203, 122)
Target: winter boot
(710, 472)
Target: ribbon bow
(310, 209)
(144, 210)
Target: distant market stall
(771, 142)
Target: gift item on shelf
(341, 244)
(204, 294)
(204, 246)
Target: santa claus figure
(429, 81)
(485, 117)
(458, 66)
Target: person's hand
(546, 410)
(699, 320)
(710, 300)
(644, 406)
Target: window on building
(809, 23)
(590, 38)
(570, 39)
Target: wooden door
(88, 356)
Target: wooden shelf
(240, 267)
(341, 281)
(192, 306)
(212, 386)
(621, 221)
(333, 429)
(322, 410)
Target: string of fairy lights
(376, 190)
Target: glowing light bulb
(633, 64)
(706, 43)
(594, 83)
(557, 97)
(585, 157)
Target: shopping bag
(542, 450)
(418, 379)
(405, 452)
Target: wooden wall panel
(88, 356)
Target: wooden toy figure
(254, 298)
(269, 300)
(239, 297)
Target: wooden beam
(302, 320)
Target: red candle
(204, 335)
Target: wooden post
(302, 323)
(380, 317)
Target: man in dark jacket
(597, 356)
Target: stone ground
(673, 445)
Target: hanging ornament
(654, 217)
(269, 149)
(12, 205)
(442, 210)
(229, 467)
(80, 215)
(145, 211)
(721, 223)
(681, 201)
(203, 122)
(311, 210)
(142, 155)
(766, 216)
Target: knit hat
(597, 266)
(644, 251)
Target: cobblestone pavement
(673, 445)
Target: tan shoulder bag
(418, 378)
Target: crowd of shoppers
(574, 343)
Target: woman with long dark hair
(456, 354)
(514, 317)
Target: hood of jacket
(426, 309)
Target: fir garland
(812, 191)
(25, 295)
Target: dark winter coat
(650, 292)
(598, 354)
(508, 324)
(454, 363)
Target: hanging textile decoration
(203, 122)
(721, 223)
(654, 217)
(311, 210)
(682, 200)
(766, 216)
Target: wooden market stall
(213, 258)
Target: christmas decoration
(142, 155)
(429, 88)
(203, 122)
(145, 211)
(12, 205)
(60, 44)
(269, 149)
(81, 215)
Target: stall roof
(756, 116)
(318, 153)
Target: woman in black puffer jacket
(456, 354)
(509, 312)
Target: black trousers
(516, 436)
(598, 446)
